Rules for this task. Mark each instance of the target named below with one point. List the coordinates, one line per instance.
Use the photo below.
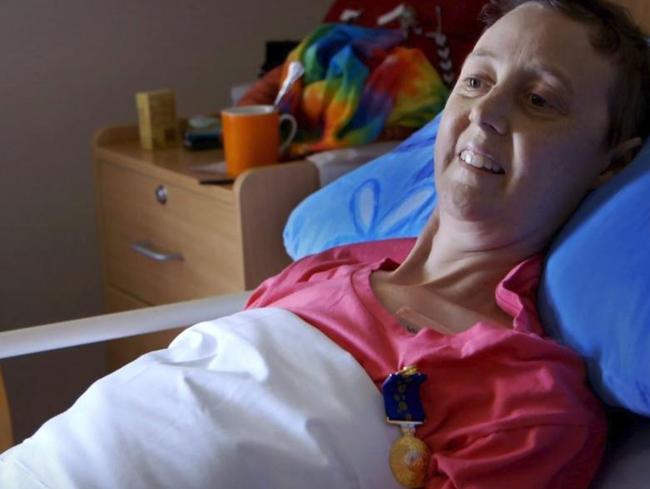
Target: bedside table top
(120, 145)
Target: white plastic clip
(349, 15)
(394, 14)
(407, 17)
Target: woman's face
(523, 134)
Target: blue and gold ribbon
(409, 456)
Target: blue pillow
(389, 197)
(594, 294)
(595, 291)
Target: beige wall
(67, 68)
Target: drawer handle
(149, 250)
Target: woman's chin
(468, 205)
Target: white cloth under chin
(259, 399)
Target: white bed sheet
(259, 399)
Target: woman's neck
(445, 263)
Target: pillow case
(595, 289)
(596, 283)
(389, 197)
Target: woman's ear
(622, 150)
(618, 158)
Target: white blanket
(259, 399)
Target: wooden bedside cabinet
(166, 237)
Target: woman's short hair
(616, 35)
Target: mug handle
(292, 133)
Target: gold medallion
(409, 459)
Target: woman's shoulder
(368, 251)
(355, 254)
(337, 262)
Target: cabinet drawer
(202, 230)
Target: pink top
(506, 408)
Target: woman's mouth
(480, 161)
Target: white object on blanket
(394, 14)
(350, 15)
(334, 163)
(256, 399)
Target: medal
(409, 456)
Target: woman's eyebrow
(542, 69)
(478, 53)
(481, 53)
(537, 68)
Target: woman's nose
(492, 111)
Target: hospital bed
(407, 168)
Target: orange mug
(251, 136)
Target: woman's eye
(472, 82)
(538, 101)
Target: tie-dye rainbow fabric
(357, 82)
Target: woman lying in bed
(551, 99)
(548, 102)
